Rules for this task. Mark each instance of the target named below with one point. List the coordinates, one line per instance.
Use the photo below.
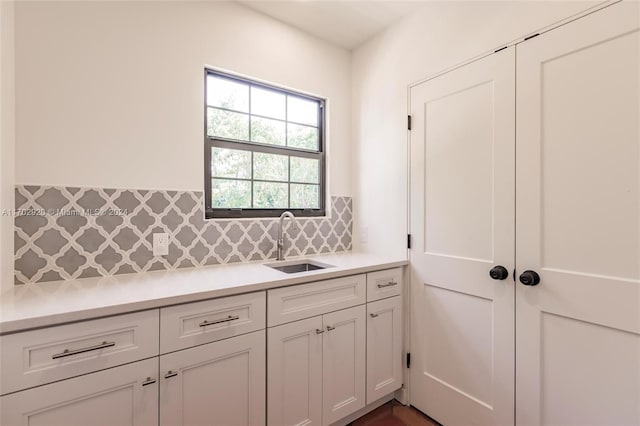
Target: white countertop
(43, 304)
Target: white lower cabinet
(384, 347)
(220, 383)
(125, 395)
(206, 363)
(316, 368)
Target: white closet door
(462, 225)
(578, 222)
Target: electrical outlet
(364, 234)
(160, 244)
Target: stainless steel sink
(296, 266)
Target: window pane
(270, 166)
(304, 137)
(229, 94)
(230, 163)
(268, 131)
(302, 111)
(304, 196)
(230, 194)
(270, 195)
(305, 170)
(225, 124)
(267, 103)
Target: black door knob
(530, 278)
(499, 273)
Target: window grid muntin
(286, 128)
(287, 94)
(289, 181)
(259, 116)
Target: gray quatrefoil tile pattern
(69, 233)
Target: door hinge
(409, 122)
(408, 241)
(531, 36)
(408, 359)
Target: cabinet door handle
(329, 328)
(170, 374)
(227, 319)
(319, 331)
(389, 284)
(69, 352)
(149, 381)
(373, 315)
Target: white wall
(440, 35)
(110, 94)
(7, 130)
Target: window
(264, 149)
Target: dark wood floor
(394, 414)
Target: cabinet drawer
(197, 323)
(42, 356)
(383, 284)
(308, 300)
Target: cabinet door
(295, 373)
(219, 384)
(578, 227)
(120, 396)
(343, 363)
(384, 347)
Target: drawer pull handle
(220, 321)
(389, 284)
(69, 352)
(329, 328)
(170, 374)
(373, 315)
(319, 331)
(149, 381)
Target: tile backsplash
(69, 232)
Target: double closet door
(525, 223)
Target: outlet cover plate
(160, 244)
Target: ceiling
(345, 23)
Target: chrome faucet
(284, 215)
